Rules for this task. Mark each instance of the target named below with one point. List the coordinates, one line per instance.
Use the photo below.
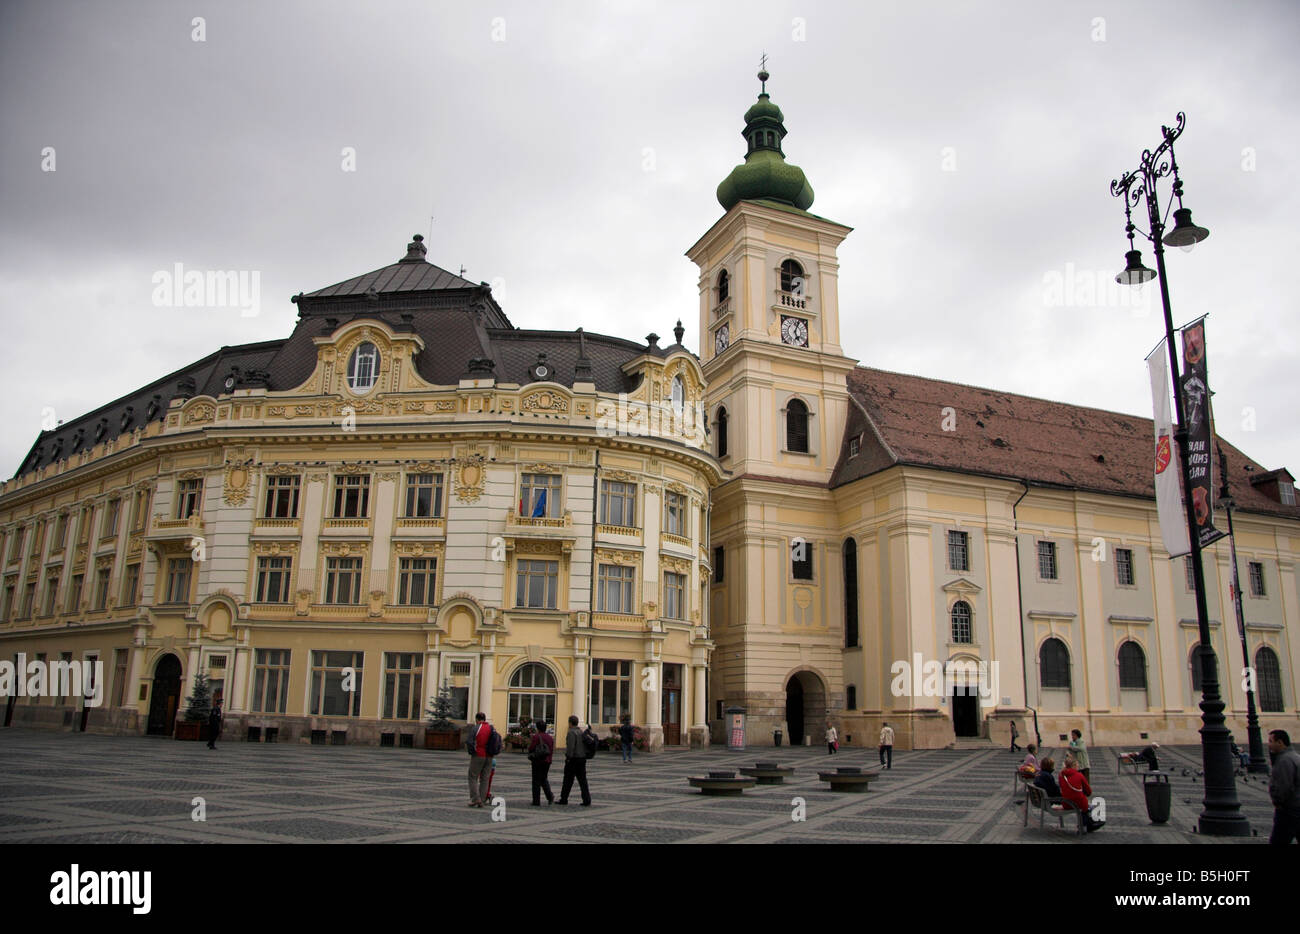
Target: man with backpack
(579, 746)
(483, 744)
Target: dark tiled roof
(1000, 434)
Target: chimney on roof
(679, 331)
(415, 250)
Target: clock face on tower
(794, 331)
(722, 339)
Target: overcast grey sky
(569, 154)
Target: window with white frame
(424, 496)
(615, 585)
(403, 681)
(617, 503)
(537, 584)
(343, 580)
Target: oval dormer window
(363, 367)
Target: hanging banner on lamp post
(1169, 505)
(1196, 409)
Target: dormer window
(791, 277)
(363, 368)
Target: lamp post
(1258, 761)
(1221, 811)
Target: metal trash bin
(776, 737)
(1159, 795)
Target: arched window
(791, 276)
(1268, 675)
(850, 596)
(1194, 660)
(1054, 664)
(961, 622)
(363, 367)
(532, 693)
(851, 697)
(796, 426)
(1132, 667)
(724, 286)
(722, 431)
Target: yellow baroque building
(406, 493)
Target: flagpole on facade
(1221, 810)
(1258, 761)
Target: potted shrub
(195, 724)
(441, 732)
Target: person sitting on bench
(1076, 790)
(1046, 780)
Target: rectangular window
(801, 562)
(270, 680)
(119, 676)
(343, 580)
(1257, 579)
(273, 579)
(101, 587)
(131, 585)
(178, 580)
(74, 593)
(675, 514)
(618, 503)
(1189, 574)
(51, 591)
(111, 517)
(614, 588)
(1047, 561)
(537, 584)
(611, 690)
(674, 595)
(1124, 567)
(189, 498)
(329, 676)
(424, 496)
(417, 580)
(29, 599)
(958, 551)
(281, 497)
(532, 487)
(719, 564)
(403, 681)
(352, 496)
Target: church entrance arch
(805, 707)
(165, 698)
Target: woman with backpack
(540, 752)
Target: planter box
(442, 739)
(191, 730)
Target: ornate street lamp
(1221, 810)
(1258, 761)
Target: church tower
(777, 402)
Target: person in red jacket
(1076, 790)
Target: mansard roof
(903, 420)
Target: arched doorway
(166, 696)
(805, 706)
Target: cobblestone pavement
(79, 788)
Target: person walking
(832, 739)
(1015, 735)
(1284, 788)
(540, 752)
(483, 744)
(575, 764)
(214, 724)
(626, 736)
(1080, 751)
(887, 746)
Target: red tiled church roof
(902, 420)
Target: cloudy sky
(569, 153)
